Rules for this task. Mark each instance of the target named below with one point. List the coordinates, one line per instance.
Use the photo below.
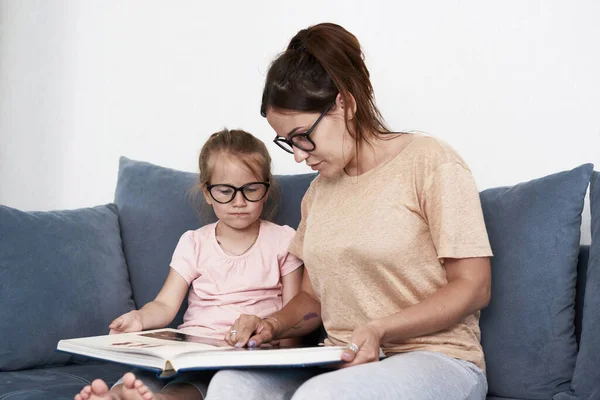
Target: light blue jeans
(418, 375)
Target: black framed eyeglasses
(300, 140)
(253, 191)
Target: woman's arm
(299, 317)
(468, 290)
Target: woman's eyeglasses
(301, 140)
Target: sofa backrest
(582, 269)
(586, 379)
(154, 210)
(528, 330)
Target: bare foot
(134, 389)
(96, 391)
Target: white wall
(513, 85)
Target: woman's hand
(364, 346)
(129, 322)
(251, 331)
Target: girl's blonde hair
(245, 148)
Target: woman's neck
(371, 155)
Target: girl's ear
(263, 212)
(207, 197)
(349, 103)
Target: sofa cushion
(586, 380)
(58, 383)
(528, 333)
(156, 208)
(292, 189)
(582, 265)
(499, 398)
(62, 275)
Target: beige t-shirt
(373, 244)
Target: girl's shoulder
(200, 234)
(271, 228)
(276, 236)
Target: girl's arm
(291, 285)
(157, 313)
(301, 316)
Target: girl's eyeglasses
(253, 191)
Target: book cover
(169, 351)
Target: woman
(392, 237)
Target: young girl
(239, 265)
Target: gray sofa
(69, 273)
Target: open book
(169, 351)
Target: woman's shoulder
(430, 151)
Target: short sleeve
(452, 208)
(298, 242)
(288, 262)
(185, 256)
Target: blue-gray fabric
(72, 266)
(62, 275)
(156, 207)
(292, 189)
(499, 398)
(528, 334)
(586, 380)
(57, 383)
(582, 264)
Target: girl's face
(334, 147)
(239, 213)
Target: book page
(163, 343)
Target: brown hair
(320, 62)
(247, 149)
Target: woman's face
(334, 147)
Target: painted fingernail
(252, 343)
(238, 344)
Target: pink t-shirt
(225, 286)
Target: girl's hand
(251, 331)
(129, 322)
(364, 346)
